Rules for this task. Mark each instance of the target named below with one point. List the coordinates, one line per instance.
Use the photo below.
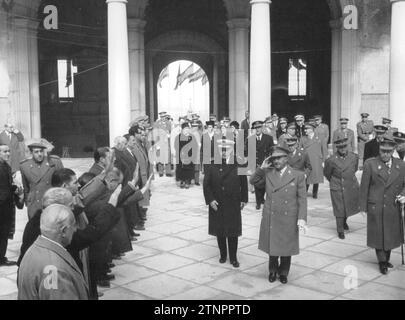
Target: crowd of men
(78, 225)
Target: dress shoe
(136, 234)
(169, 175)
(383, 267)
(197, 184)
(103, 283)
(182, 185)
(187, 186)
(110, 265)
(258, 206)
(389, 265)
(160, 174)
(222, 260)
(272, 277)
(315, 196)
(7, 263)
(283, 279)
(116, 257)
(107, 277)
(235, 264)
(341, 235)
(346, 226)
(139, 228)
(100, 294)
(134, 238)
(108, 270)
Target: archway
(182, 88)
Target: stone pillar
(397, 64)
(118, 69)
(335, 105)
(215, 87)
(260, 60)
(238, 31)
(136, 43)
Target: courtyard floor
(175, 258)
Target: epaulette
(25, 160)
(52, 156)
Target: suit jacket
(6, 195)
(263, 148)
(223, 184)
(16, 148)
(36, 180)
(339, 134)
(286, 203)
(343, 184)
(371, 149)
(378, 191)
(48, 272)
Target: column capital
(336, 24)
(135, 24)
(252, 2)
(393, 1)
(116, 1)
(238, 23)
(28, 25)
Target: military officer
(371, 149)
(36, 174)
(298, 159)
(269, 129)
(299, 126)
(365, 129)
(282, 140)
(382, 184)
(344, 133)
(322, 130)
(166, 125)
(282, 127)
(245, 125)
(315, 148)
(264, 143)
(340, 170)
(226, 194)
(284, 214)
(399, 138)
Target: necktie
(389, 167)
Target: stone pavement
(175, 258)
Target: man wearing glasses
(36, 173)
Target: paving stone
(198, 252)
(164, 262)
(313, 259)
(292, 292)
(7, 287)
(361, 270)
(336, 249)
(374, 291)
(130, 272)
(165, 243)
(120, 293)
(199, 293)
(199, 272)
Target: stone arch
(192, 46)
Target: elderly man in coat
(48, 271)
(284, 212)
(314, 146)
(340, 170)
(226, 194)
(382, 184)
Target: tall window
(66, 72)
(297, 78)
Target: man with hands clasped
(284, 212)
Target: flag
(68, 73)
(199, 74)
(164, 74)
(204, 80)
(181, 77)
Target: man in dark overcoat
(340, 170)
(264, 143)
(371, 148)
(382, 182)
(298, 159)
(226, 194)
(8, 193)
(284, 213)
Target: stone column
(118, 69)
(335, 105)
(215, 89)
(238, 30)
(260, 60)
(397, 64)
(136, 43)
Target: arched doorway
(183, 87)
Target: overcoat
(317, 154)
(371, 149)
(322, 131)
(300, 161)
(223, 184)
(378, 191)
(263, 147)
(343, 184)
(36, 180)
(286, 203)
(340, 134)
(186, 148)
(16, 145)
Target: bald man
(48, 271)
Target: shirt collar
(283, 170)
(54, 242)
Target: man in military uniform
(264, 143)
(269, 129)
(165, 124)
(36, 173)
(365, 129)
(298, 159)
(399, 152)
(382, 186)
(299, 126)
(344, 133)
(245, 125)
(340, 170)
(371, 148)
(282, 140)
(322, 130)
(284, 214)
(282, 127)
